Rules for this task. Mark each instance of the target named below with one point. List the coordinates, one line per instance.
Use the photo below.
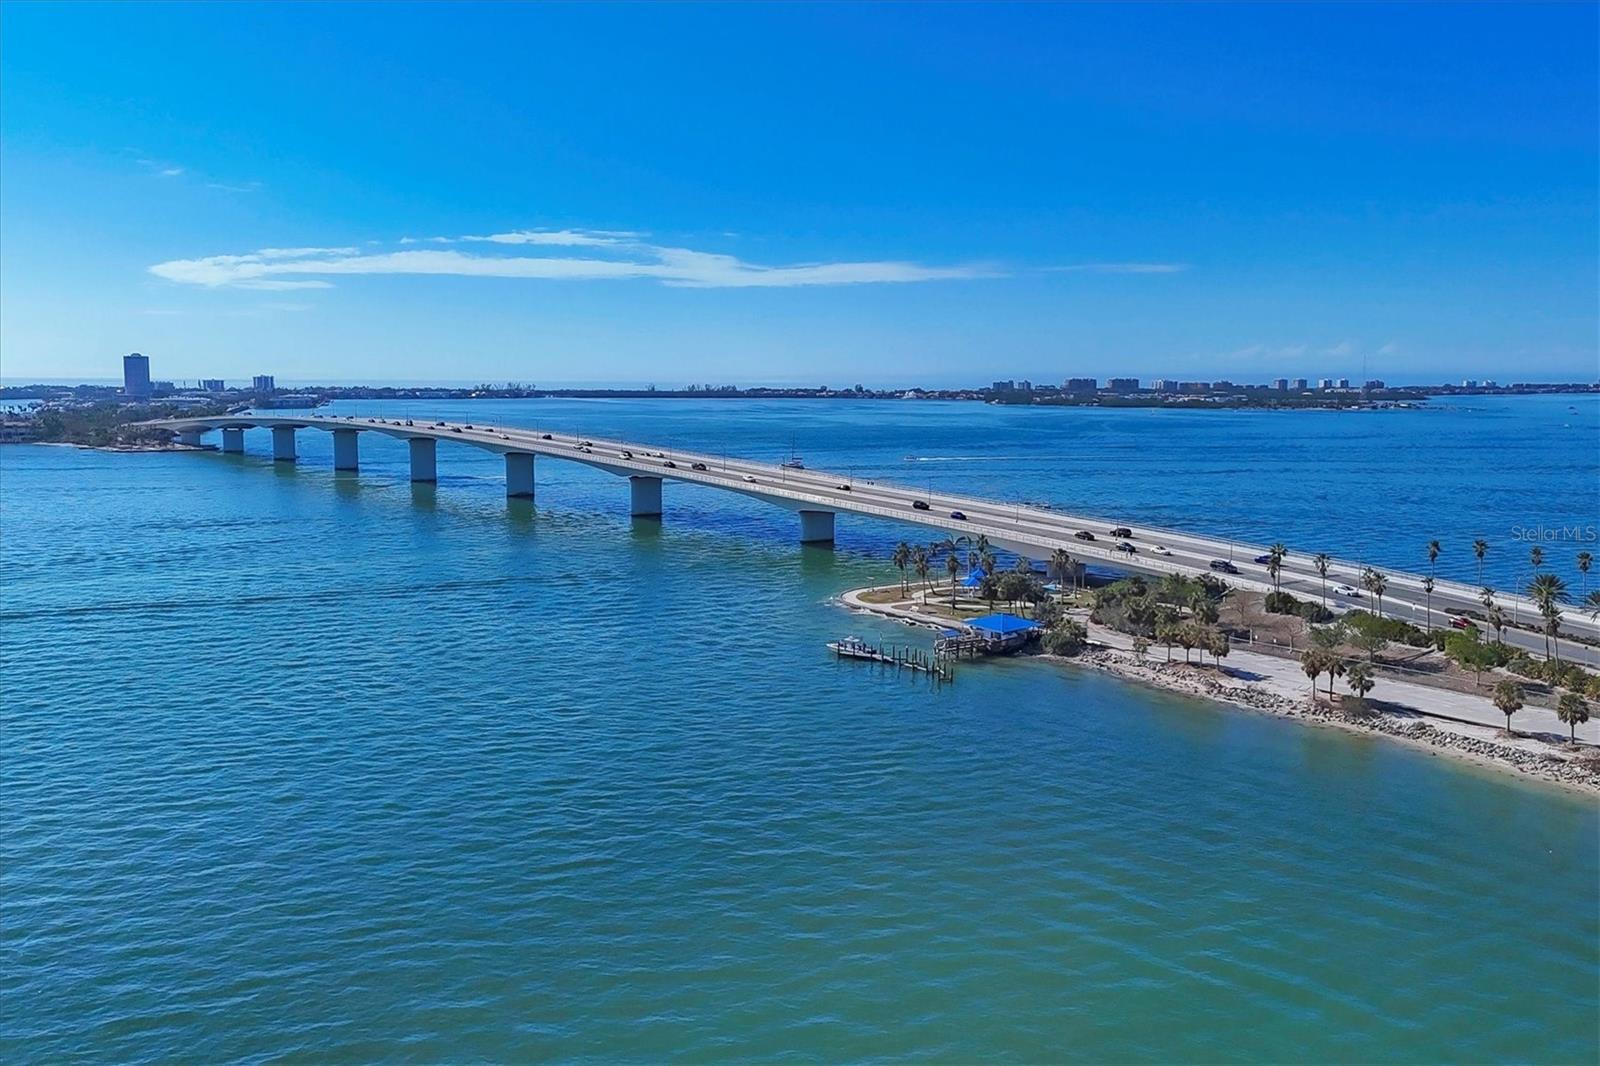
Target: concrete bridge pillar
(646, 492)
(283, 444)
(424, 464)
(816, 527)
(346, 450)
(190, 437)
(519, 475)
(233, 441)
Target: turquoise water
(335, 768)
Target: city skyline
(944, 198)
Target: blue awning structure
(975, 577)
(1003, 625)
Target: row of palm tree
(1316, 661)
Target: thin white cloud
(224, 186)
(1342, 348)
(615, 257)
(1120, 268)
(568, 238)
(302, 253)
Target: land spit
(1255, 682)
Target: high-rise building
(1344, 383)
(1281, 384)
(1373, 385)
(263, 383)
(136, 376)
(1298, 383)
(213, 385)
(1122, 384)
(1080, 385)
(1165, 385)
(1324, 383)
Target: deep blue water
(335, 768)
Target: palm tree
(1591, 603)
(1585, 560)
(1508, 698)
(1275, 556)
(1427, 587)
(982, 544)
(1359, 680)
(1433, 555)
(1060, 565)
(1313, 661)
(920, 563)
(1336, 668)
(1497, 619)
(1572, 709)
(1486, 597)
(1546, 591)
(1480, 548)
(1375, 583)
(1321, 561)
(902, 559)
(952, 566)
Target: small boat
(794, 463)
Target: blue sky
(814, 194)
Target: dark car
(1224, 566)
(1263, 559)
(545, 436)
(844, 488)
(455, 429)
(1084, 534)
(1125, 548)
(921, 505)
(958, 516)
(670, 463)
(1122, 531)
(697, 466)
(408, 421)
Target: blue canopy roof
(1003, 624)
(975, 578)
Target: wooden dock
(935, 665)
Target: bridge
(817, 497)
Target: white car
(749, 477)
(1157, 549)
(1346, 590)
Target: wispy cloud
(609, 255)
(225, 186)
(1120, 268)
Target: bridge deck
(1026, 530)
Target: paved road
(1030, 530)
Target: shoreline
(1478, 745)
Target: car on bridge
(1084, 534)
(844, 488)
(1121, 531)
(1159, 549)
(545, 436)
(1125, 548)
(921, 505)
(670, 464)
(1462, 622)
(1223, 566)
(750, 478)
(697, 466)
(958, 516)
(1262, 559)
(1346, 590)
